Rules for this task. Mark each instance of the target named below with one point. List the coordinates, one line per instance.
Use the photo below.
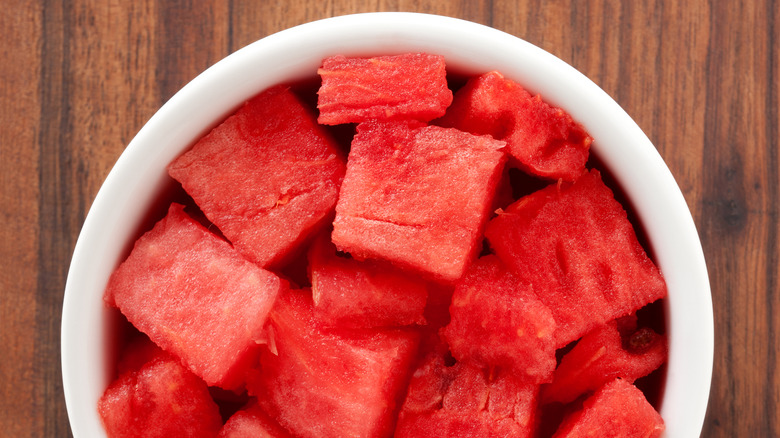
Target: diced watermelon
(331, 383)
(418, 196)
(267, 177)
(464, 401)
(407, 86)
(617, 410)
(573, 242)
(497, 320)
(252, 422)
(544, 140)
(161, 399)
(196, 297)
(601, 356)
(352, 293)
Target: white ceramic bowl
(138, 184)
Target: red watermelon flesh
(196, 297)
(514, 398)
(407, 86)
(418, 196)
(332, 361)
(252, 422)
(161, 399)
(363, 294)
(545, 141)
(267, 177)
(428, 384)
(466, 401)
(617, 410)
(497, 320)
(574, 244)
(602, 355)
(448, 424)
(331, 383)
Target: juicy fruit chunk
(464, 401)
(544, 140)
(497, 320)
(408, 86)
(196, 297)
(405, 331)
(252, 422)
(331, 383)
(362, 294)
(617, 410)
(267, 177)
(588, 266)
(604, 354)
(161, 399)
(417, 196)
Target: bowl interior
(138, 188)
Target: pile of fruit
(452, 269)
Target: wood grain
(19, 213)
(79, 78)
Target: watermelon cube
(252, 422)
(362, 294)
(497, 320)
(602, 355)
(408, 86)
(319, 382)
(543, 140)
(574, 244)
(617, 410)
(418, 196)
(161, 399)
(195, 297)
(267, 177)
(462, 400)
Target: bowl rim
(620, 143)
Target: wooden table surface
(79, 78)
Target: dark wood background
(80, 77)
